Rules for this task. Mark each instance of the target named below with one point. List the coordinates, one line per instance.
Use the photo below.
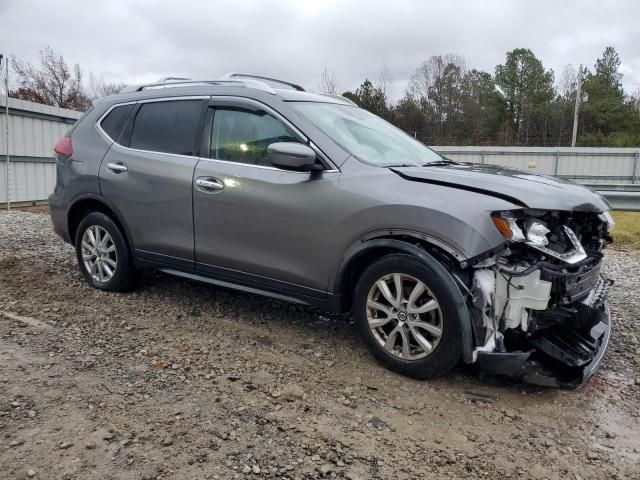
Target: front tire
(407, 316)
(103, 254)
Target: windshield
(366, 136)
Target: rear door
(255, 223)
(148, 172)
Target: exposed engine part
(515, 296)
(544, 314)
(484, 284)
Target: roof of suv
(230, 84)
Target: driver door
(254, 223)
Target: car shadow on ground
(336, 330)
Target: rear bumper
(556, 368)
(59, 217)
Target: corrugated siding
(34, 137)
(34, 181)
(35, 128)
(28, 181)
(33, 131)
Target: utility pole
(577, 108)
(6, 123)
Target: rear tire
(103, 254)
(415, 332)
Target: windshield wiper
(437, 163)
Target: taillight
(64, 147)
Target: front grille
(571, 283)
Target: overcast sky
(142, 40)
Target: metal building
(33, 131)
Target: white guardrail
(614, 172)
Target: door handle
(117, 167)
(209, 184)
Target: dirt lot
(182, 380)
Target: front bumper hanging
(560, 356)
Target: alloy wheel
(404, 316)
(99, 253)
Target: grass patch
(627, 231)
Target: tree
(635, 98)
(370, 98)
(528, 91)
(328, 83)
(446, 103)
(437, 86)
(385, 84)
(607, 68)
(562, 107)
(608, 118)
(483, 110)
(409, 116)
(99, 87)
(51, 83)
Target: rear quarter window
(114, 121)
(167, 127)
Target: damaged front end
(538, 305)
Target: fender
(373, 239)
(107, 203)
(396, 244)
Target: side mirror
(292, 156)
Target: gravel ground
(183, 380)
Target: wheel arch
(86, 204)
(364, 252)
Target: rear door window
(243, 136)
(167, 127)
(115, 120)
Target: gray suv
(252, 183)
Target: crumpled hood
(530, 190)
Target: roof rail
(171, 82)
(258, 77)
(172, 79)
(340, 97)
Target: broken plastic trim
(530, 367)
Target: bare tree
(635, 97)
(328, 83)
(99, 87)
(437, 87)
(51, 83)
(566, 86)
(385, 83)
(424, 81)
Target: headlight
(530, 231)
(606, 217)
